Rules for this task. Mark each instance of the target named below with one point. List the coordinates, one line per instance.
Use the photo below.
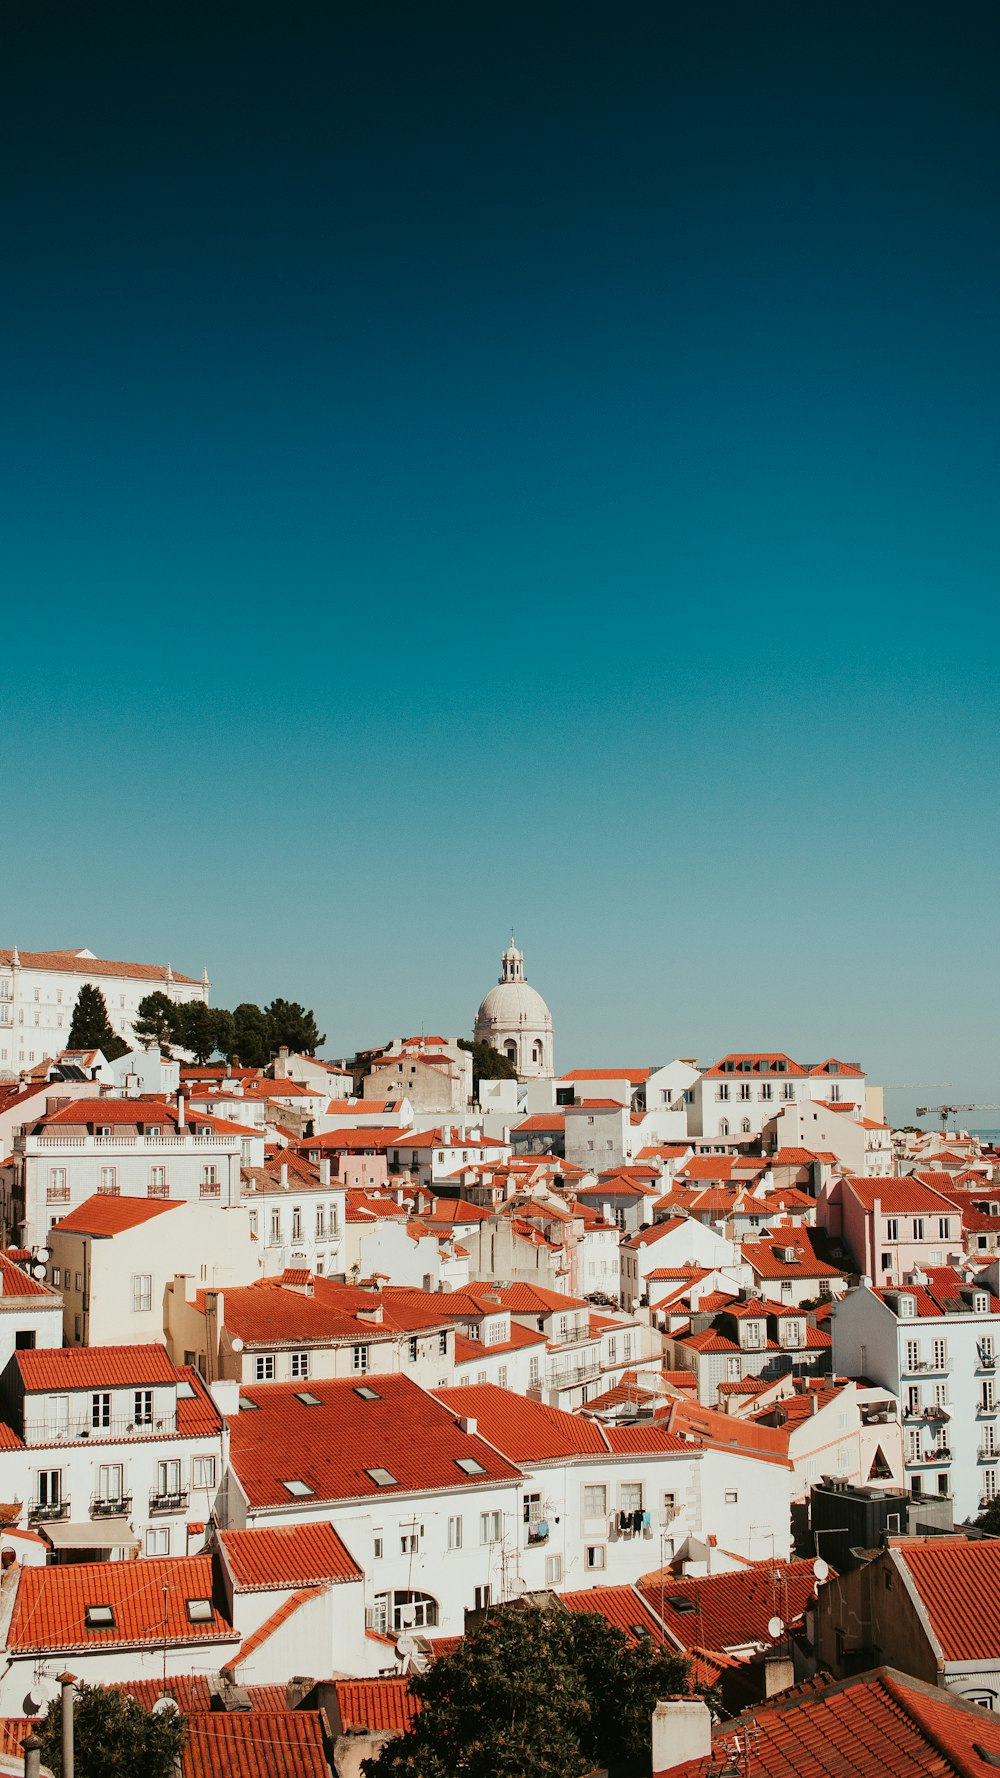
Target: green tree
(535, 1693)
(156, 1024)
(114, 1737)
(223, 1031)
(990, 1519)
(487, 1063)
(196, 1028)
(250, 1039)
(292, 1025)
(91, 1029)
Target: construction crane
(944, 1112)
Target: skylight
(470, 1466)
(681, 1603)
(245, 1403)
(99, 1617)
(200, 1611)
(299, 1489)
(367, 1394)
(185, 1390)
(383, 1478)
(308, 1400)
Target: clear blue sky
(473, 465)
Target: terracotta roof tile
(51, 1603)
(382, 1706)
(958, 1584)
(252, 1744)
(277, 1556)
(104, 1215)
(527, 1431)
(79, 964)
(94, 1367)
(727, 1611)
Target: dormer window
(907, 1308)
(154, 1130)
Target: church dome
(515, 1020)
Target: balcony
(50, 1432)
(923, 1367)
(984, 1409)
(210, 1188)
(108, 1506)
(566, 1379)
(169, 1503)
(158, 1191)
(41, 1512)
(57, 1194)
(942, 1454)
(988, 1452)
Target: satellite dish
(43, 1254)
(775, 1626)
(405, 1646)
(38, 1271)
(821, 1569)
(165, 1707)
(519, 1586)
(236, 1343)
(43, 1692)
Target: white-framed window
(732, 1497)
(168, 1477)
(296, 1223)
(378, 1545)
(918, 1228)
(263, 1367)
(300, 1364)
(553, 1570)
(142, 1407)
(490, 1527)
(50, 1487)
(100, 1409)
(142, 1292)
(595, 1500)
(940, 1354)
(158, 1540)
(989, 1484)
(203, 1472)
(534, 1371)
(455, 1532)
(409, 1543)
(108, 1181)
(110, 1481)
(892, 1228)
(630, 1497)
(595, 1556)
(360, 1356)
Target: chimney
(682, 1731)
(324, 1171)
(284, 1176)
(469, 1424)
(180, 1111)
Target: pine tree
(91, 1029)
(156, 1023)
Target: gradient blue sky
(473, 465)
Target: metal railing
(47, 1432)
(168, 1503)
(40, 1510)
(106, 1506)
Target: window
(263, 1367)
(724, 1091)
(531, 1509)
(483, 1596)
(50, 1487)
(630, 1497)
(409, 1543)
(203, 1472)
(918, 1228)
(914, 1445)
(669, 1508)
(413, 1349)
(275, 1226)
(360, 1355)
(300, 1364)
(490, 1527)
(788, 1090)
(383, 1478)
(502, 1376)
(298, 1489)
(413, 1611)
(100, 1410)
(443, 1344)
(892, 1228)
(108, 1182)
(912, 1355)
(595, 1501)
(989, 1484)
(99, 1617)
(56, 1276)
(110, 1482)
(142, 1293)
(168, 1478)
(142, 1407)
(199, 1611)
(455, 1533)
(944, 1228)
(534, 1371)
(296, 1223)
(378, 1545)
(594, 1556)
(320, 1223)
(158, 1540)
(732, 1497)
(553, 1570)
(469, 1466)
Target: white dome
(514, 1005)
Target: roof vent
(468, 1423)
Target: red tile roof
(897, 1195)
(104, 1215)
(252, 1744)
(332, 1446)
(277, 1556)
(767, 1258)
(728, 1611)
(377, 1706)
(633, 1074)
(94, 1367)
(14, 1282)
(881, 1725)
(958, 1584)
(526, 1431)
(622, 1606)
(768, 1057)
(50, 1605)
(81, 964)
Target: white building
(38, 991)
(133, 1148)
(737, 1096)
(113, 1259)
(933, 1342)
(514, 1019)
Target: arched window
(536, 1052)
(724, 1127)
(510, 1050)
(413, 1611)
(745, 1126)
